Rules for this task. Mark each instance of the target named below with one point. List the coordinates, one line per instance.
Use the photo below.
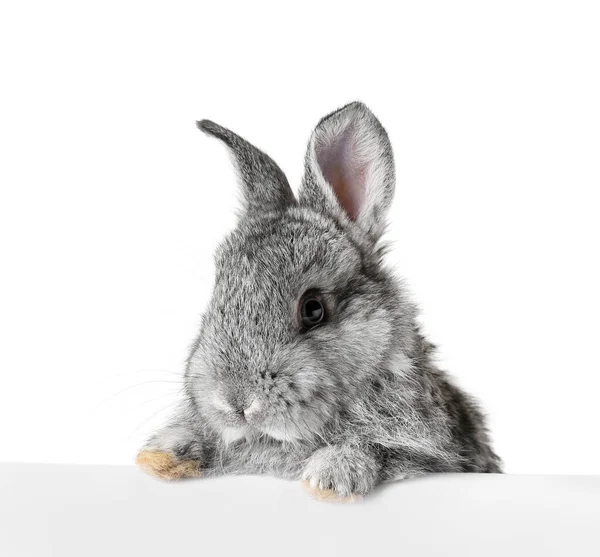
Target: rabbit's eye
(312, 310)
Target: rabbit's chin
(231, 434)
(282, 434)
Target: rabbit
(309, 363)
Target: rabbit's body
(309, 362)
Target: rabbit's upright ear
(265, 187)
(349, 169)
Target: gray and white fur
(352, 402)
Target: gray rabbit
(309, 363)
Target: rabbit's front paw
(340, 473)
(167, 466)
(173, 453)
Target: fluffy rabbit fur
(352, 402)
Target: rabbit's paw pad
(166, 466)
(340, 473)
(329, 494)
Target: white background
(112, 202)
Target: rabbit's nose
(250, 412)
(253, 410)
(228, 405)
(239, 407)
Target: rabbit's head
(302, 316)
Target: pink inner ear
(338, 159)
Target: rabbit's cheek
(366, 341)
(295, 422)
